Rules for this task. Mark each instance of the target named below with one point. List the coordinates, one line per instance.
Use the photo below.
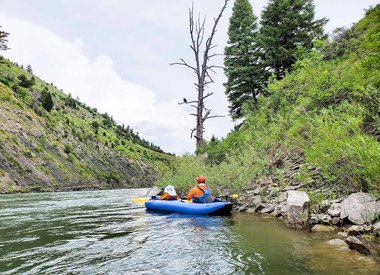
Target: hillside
(317, 130)
(50, 141)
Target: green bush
(25, 82)
(39, 149)
(346, 155)
(68, 149)
(71, 157)
(47, 100)
(28, 153)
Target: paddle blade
(234, 196)
(154, 191)
(140, 200)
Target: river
(104, 232)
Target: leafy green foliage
(324, 114)
(71, 102)
(25, 82)
(64, 140)
(68, 149)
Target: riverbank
(354, 218)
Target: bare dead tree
(202, 70)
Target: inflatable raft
(213, 208)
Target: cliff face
(50, 141)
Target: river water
(103, 232)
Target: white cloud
(119, 60)
(97, 84)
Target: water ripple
(103, 232)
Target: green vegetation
(242, 60)
(321, 121)
(287, 27)
(51, 141)
(287, 31)
(3, 40)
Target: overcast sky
(114, 55)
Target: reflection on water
(103, 232)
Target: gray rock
(257, 191)
(339, 244)
(335, 220)
(282, 197)
(322, 228)
(243, 207)
(355, 230)
(276, 213)
(325, 205)
(360, 208)
(313, 219)
(376, 229)
(261, 206)
(297, 209)
(251, 210)
(368, 229)
(256, 201)
(343, 234)
(268, 209)
(324, 218)
(333, 212)
(355, 243)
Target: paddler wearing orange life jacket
(200, 193)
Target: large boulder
(360, 208)
(297, 209)
(339, 244)
(322, 228)
(355, 243)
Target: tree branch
(183, 63)
(206, 96)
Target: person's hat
(170, 190)
(201, 179)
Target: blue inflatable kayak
(213, 208)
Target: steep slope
(317, 130)
(50, 141)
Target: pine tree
(47, 100)
(29, 69)
(242, 68)
(3, 40)
(285, 26)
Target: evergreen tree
(29, 69)
(285, 26)
(3, 40)
(242, 68)
(47, 100)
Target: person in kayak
(200, 193)
(169, 194)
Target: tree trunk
(202, 70)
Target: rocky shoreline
(355, 218)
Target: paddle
(152, 192)
(140, 200)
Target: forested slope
(51, 141)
